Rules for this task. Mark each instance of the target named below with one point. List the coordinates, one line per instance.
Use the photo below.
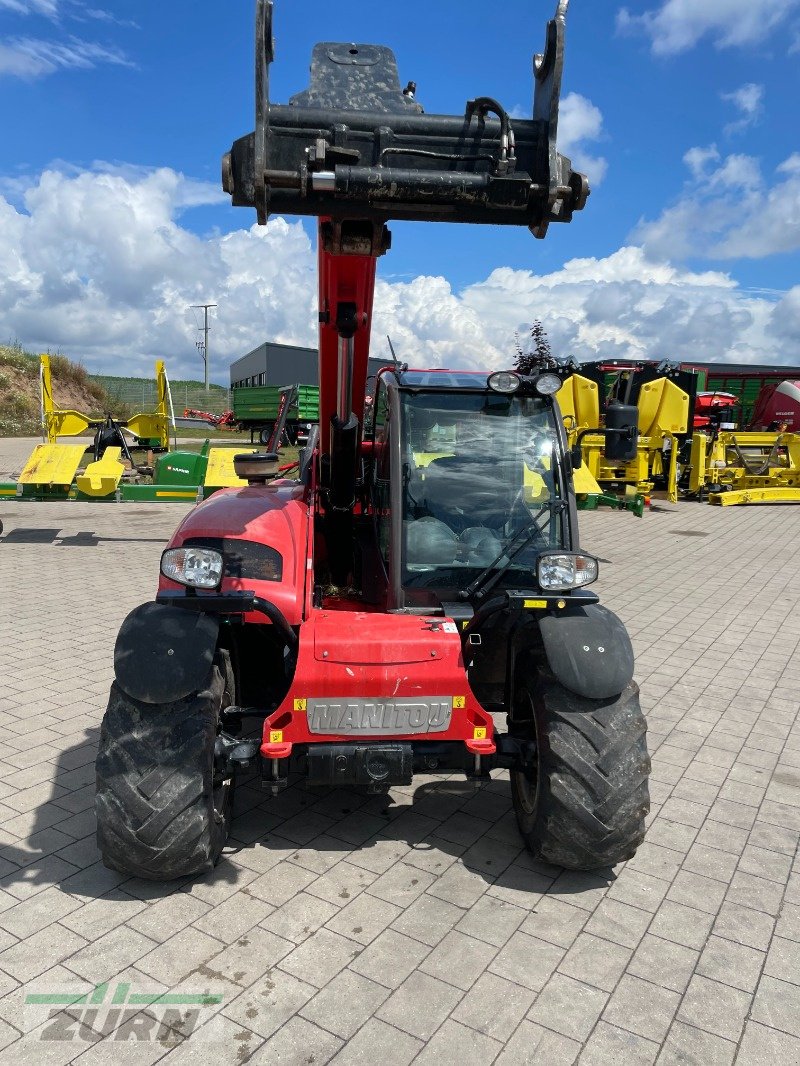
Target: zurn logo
(118, 1013)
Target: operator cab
(464, 478)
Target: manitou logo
(364, 717)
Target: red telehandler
(417, 583)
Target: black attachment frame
(354, 145)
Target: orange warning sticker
(459, 703)
(299, 705)
(276, 736)
(479, 733)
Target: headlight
(200, 568)
(503, 381)
(547, 384)
(562, 571)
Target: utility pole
(202, 345)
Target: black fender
(588, 650)
(164, 653)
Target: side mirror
(576, 456)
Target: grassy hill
(19, 391)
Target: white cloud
(97, 264)
(678, 25)
(31, 7)
(30, 57)
(728, 211)
(579, 121)
(748, 100)
(697, 159)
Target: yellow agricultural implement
(53, 470)
(744, 467)
(663, 416)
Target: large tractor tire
(162, 810)
(582, 801)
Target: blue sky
(116, 115)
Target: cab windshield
(478, 469)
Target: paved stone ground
(415, 928)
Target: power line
(202, 346)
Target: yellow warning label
(276, 736)
(479, 733)
(535, 603)
(299, 705)
(459, 702)
(465, 623)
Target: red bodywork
(351, 654)
(278, 516)
(707, 402)
(344, 652)
(778, 405)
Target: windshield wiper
(488, 578)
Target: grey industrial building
(282, 364)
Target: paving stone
(494, 1006)
(610, 1044)
(342, 882)
(694, 890)
(788, 923)
(420, 1005)
(682, 925)
(345, 1004)
(377, 1042)
(777, 1004)
(765, 863)
(363, 918)
(710, 862)
(734, 964)
(639, 890)
(458, 959)
(554, 921)
(596, 962)
(321, 957)
(685, 1044)
(233, 918)
(762, 1046)
(179, 956)
(533, 1045)
(168, 915)
(269, 1002)
(295, 1043)
(428, 919)
(569, 1007)
(664, 963)
(492, 920)
(401, 885)
(459, 886)
(247, 958)
(619, 923)
(526, 960)
(722, 836)
(755, 892)
(744, 926)
(38, 911)
(389, 959)
(454, 1044)
(108, 956)
(642, 1008)
(715, 1007)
